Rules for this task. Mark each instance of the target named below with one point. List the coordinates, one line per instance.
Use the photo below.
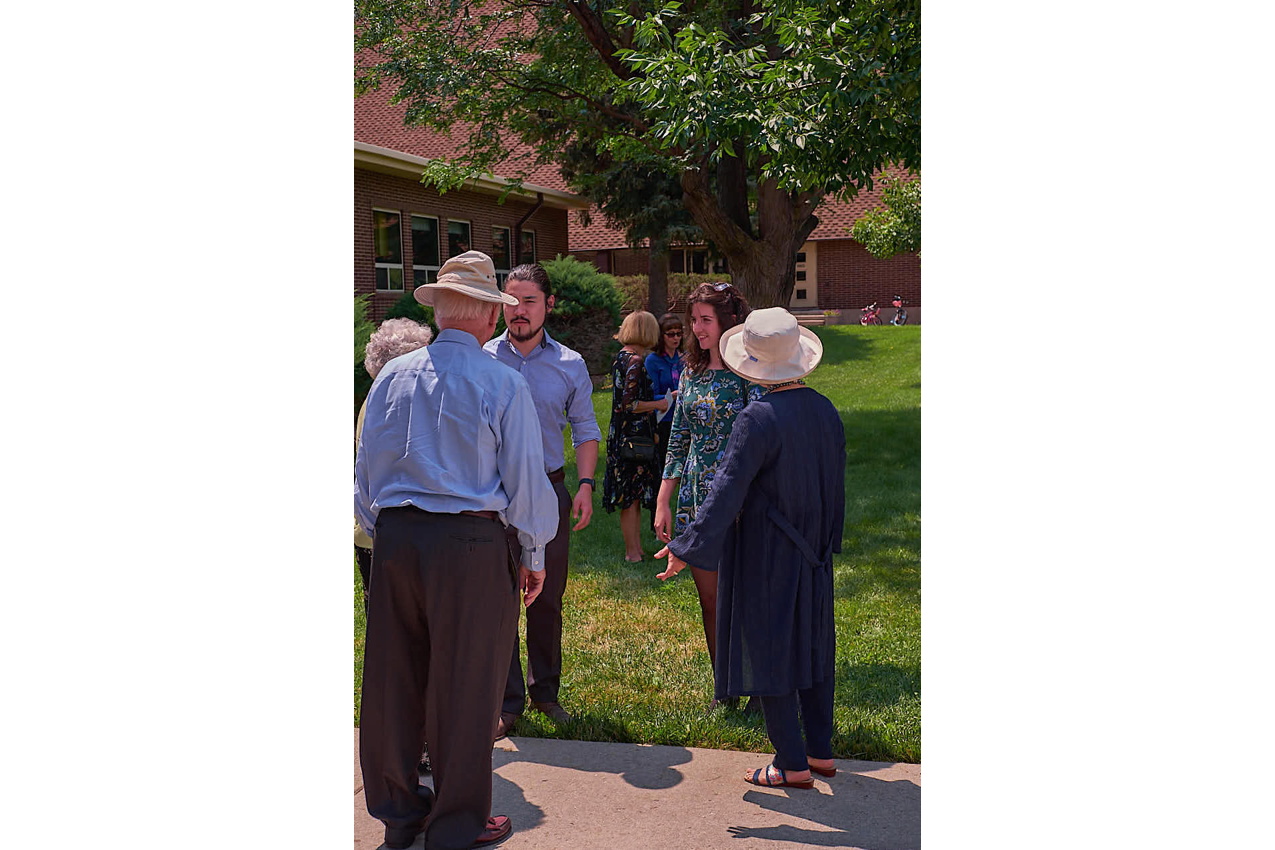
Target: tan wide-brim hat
(471, 273)
(770, 347)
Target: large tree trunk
(657, 277)
(762, 266)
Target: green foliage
(755, 111)
(633, 288)
(407, 307)
(586, 311)
(894, 228)
(363, 329)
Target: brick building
(833, 270)
(403, 229)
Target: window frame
(503, 274)
(469, 225)
(535, 247)
(438, 232)
(376, 284)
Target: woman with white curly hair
(393, 338)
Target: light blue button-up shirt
(449, 429)
(561, 389)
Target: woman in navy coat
(771, 525)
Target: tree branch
(598, 38)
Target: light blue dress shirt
(561, 389)
(448, 429)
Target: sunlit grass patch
(635, 667)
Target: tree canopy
(895, 227)
(758, 109)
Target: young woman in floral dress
(709, 397)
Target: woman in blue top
(664, 366)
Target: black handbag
(639, 448)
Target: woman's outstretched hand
(675, 564)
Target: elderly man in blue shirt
(562, 392)
(450, 455)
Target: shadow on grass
(876, 684)
(841, 344)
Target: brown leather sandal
(775, 778)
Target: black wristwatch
(588, 481)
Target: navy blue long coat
(770, 527)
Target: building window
(458, 241)
(694, 261)
(801, 256)
(500, 252)
(801, 275)
(425, 260)
(801, 295)
(528, 252)
(387, 247)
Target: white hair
(393, 338)
(453, 306)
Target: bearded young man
(562, 392)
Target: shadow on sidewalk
(649, 768)
(866, 813)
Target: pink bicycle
(871, 315)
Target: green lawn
(635, 668)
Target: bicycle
(900, 315)
(871, 315)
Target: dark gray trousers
(444, 608)
(544, 619)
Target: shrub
(407, 307)
(363, 329)
(633, 289)
(586, 311)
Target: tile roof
(379, 122)
(598, 236)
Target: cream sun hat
(471, 273)
(770, 347)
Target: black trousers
(544, 618)
(784, 727)
(444, 609)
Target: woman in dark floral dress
(630, 485)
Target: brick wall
(850, 277)
(382, 191)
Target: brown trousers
(444, 610)
(544, 617)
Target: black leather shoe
(553, 711)
(505, 724)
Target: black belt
(558, 475)
(484, 514)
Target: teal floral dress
(707, 404)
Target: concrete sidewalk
(579, 794)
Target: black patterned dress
(627, 481)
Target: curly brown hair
(731, 308)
